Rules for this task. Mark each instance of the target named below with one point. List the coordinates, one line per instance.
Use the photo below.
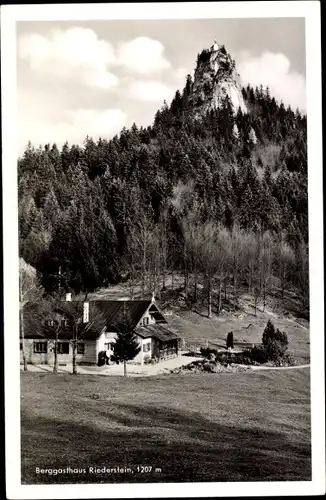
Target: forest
(221, 201)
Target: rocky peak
(215, 78)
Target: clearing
(197, 330)
(208, 427)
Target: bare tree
(284, 263)
(163, 225)
(214, 253)
(184, 203)
(236, 262)
(303, 272)
(54, 323)
(192, 233)
(30, 292)
(265, 260)
(142, 234)
(223, 256)
(78, 325)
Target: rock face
(215, 77)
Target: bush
(147, 359)
(101, 358)
(209, 367)
(272, 335)
(206, 352)
(229, 340)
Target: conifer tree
(126, 346)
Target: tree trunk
(186, 283)
(235, 300)
(209, 295)
(264, 294)
(195, 286)
(220, 297)
(225, 296)
(282, 286)
(22, 331)
(125, 368)
(74, 354)
(163, 279)
(172, 280)
(255, 300)
(143, 271)
(132, 286)
(55, 365)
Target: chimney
(68, 297)
(153, 297)
(86, 312)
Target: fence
(197, 343)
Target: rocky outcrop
(215, 78)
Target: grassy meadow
(207, 427)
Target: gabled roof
(157, 331)
(112, 311)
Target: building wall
(141, 355)
(109, 337)
(149, 317)
(89, 356)
(105, 338)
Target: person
(107, 357)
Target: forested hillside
(219, 199)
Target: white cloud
(181, 74)
(150, 90)
(74, 53)
(274, 70)
(143, 55)
(72, 126)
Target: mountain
(215, 78)
(220, 160)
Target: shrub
(147, 359)
(101, 358)
(206, 351)
(229, 340)
(209, 367)
(272, 335)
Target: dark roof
(157, 331)
(111, 310)
(114, 310)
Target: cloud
(274, 70)
(143, 55)
(74, 53)
(149, 90)
(73, 125)
(181, 74)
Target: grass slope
(226, 427)
(195, 328)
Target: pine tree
(126, 346)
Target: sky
(94, 77)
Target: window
(108, 346)
(21, 346)
(63, 347)
(147, 347)
(40, 347)
(81, 348)
(145, 321)
(64, 322)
